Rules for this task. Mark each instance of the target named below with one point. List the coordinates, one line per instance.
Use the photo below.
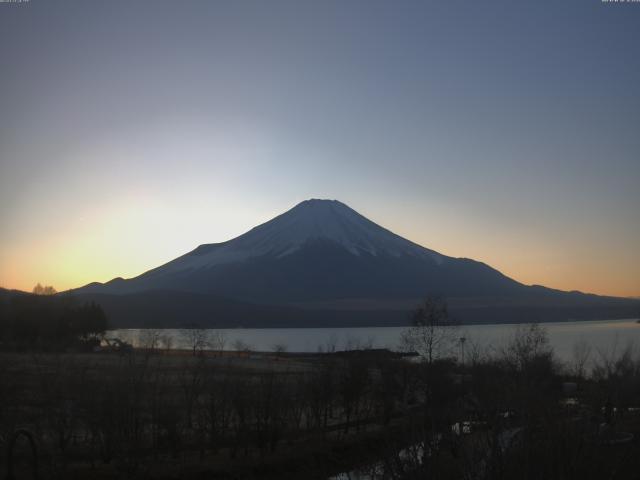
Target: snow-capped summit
(332, 220)
(310, 221)
(321, 263)
(319, 249)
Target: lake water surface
(603, 336)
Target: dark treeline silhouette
(45, 321)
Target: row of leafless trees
(504, 413)
(130, 410)
(517, 412)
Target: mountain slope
(323, 256)
(318, 250)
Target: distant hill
(322, 263)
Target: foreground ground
(152, 414)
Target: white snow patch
(308, 221)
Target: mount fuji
(322, 263)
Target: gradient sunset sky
(508, 132)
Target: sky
(507, 132)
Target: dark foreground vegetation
(71, 410)
(44, 321)
(510, 414)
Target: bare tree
(197, 339)
(351, 343)
(241, 346)
(149, 339)
(217, 340)
(529, 342)
(432, 333)
(580, 355)
(166, 341)
(330, 344)
(279, 348)
(44, 290)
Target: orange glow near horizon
(100, 250)
(123, 149)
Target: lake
(604, 336)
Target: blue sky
(503, 131)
